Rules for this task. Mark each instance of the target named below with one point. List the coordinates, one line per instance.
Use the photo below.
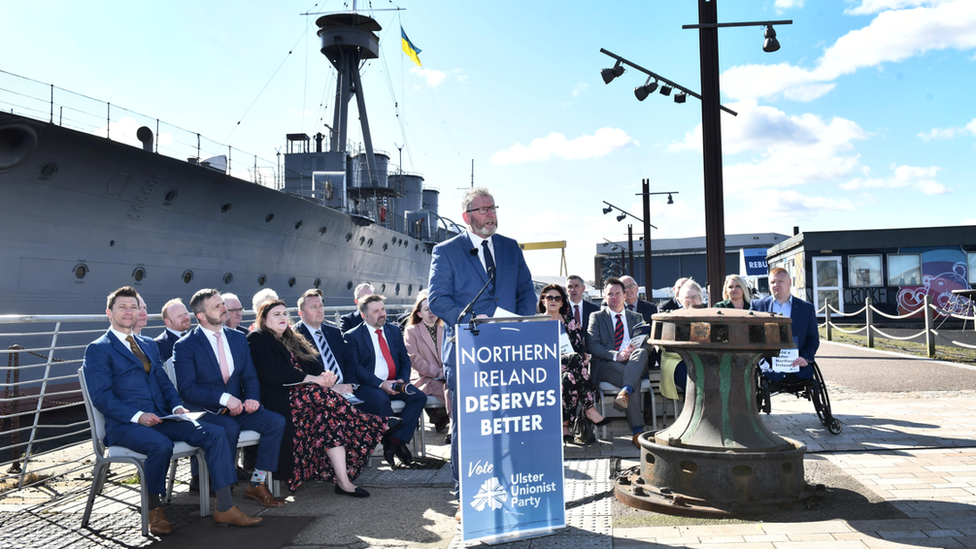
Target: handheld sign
(510, 431)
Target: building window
(864, 270)
(904, 270)
(971, 257)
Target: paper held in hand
(638, 341)
(189, 416)
(784, 362)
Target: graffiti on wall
(943, 270)
(857, 296)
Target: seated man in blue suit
(805, 333)
(334, 354)
(177, 321)
(128, 385)
(215, 372)
(459, 268)
(383, 374)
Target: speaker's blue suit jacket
(120, 387)
(804, 328)
(456, 276)
(198, 372)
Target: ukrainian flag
(408, 47)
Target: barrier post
(827, 320)
(868, 317)
(929, 335)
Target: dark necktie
(618, 333)
(327, 357)
(576, 313)
(386, 354)
(136, 350)
(630, 307)
(489, 260)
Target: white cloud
(894, 35)
(580, 88)
(919, 178)
(781, 5)
(868, 7)
(555, 145)
(948, 133)
(786, 149)
(431, 76)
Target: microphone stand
(470, 308)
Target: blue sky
(864, 119)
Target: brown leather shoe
(636, 440)
(262, 495)
(622, 400)
(158, 524)
(234, 516)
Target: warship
(85, 214)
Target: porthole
(170, 197)
(369, 242)
(383, 288)
(416, 247)
(385, 246)
(291, 282)
(111, 243)
(322, 230)
(410, 289)
(228, 278)
(348, 237)
(225, 208)
(262, 279)
(139, 274)
(393, 241)
(398, 288)
(187, 277)
(317, 283)
(298, 224)
(349, 285)
(81, 270)
(400, 241)
(268, 218)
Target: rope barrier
(859, 311)
(879, 332)
(834, 326)
(954, 342)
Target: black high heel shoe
(602, 422)
(358, 493)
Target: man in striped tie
(334, 355)
(614, 359)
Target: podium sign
(510, 431)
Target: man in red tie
(382, 370)
(613, 358)
(580, 308)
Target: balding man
(633, 303)
(235, 313)
(672, 304)
(349, 321)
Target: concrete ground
(901, 474)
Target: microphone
(474, 251)
(470, 307)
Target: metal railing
(41, 410)
(928, 311)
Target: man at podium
(477, 258)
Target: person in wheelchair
(805, 333)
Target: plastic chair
(106, 456)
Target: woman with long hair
(575, 376)
(734, 293)
(424, 338)
(326, 438)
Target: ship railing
(48, 103)
(41, 411)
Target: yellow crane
(556, 244)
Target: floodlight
(771, 44)
(607, 210)
(641, 92)
(680, 97)
(621, 217)
(670, 200)
(609, 74)
(666, 90)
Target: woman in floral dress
(575, 377)
(326, 438)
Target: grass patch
(942, 352)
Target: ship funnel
(146, 136)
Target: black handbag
(582, 428)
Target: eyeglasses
(629, 286)
(553, 297)
(482, 210)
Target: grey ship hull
(77, 202)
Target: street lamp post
(646, 193)
(630, 246)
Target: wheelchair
(814, 390)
